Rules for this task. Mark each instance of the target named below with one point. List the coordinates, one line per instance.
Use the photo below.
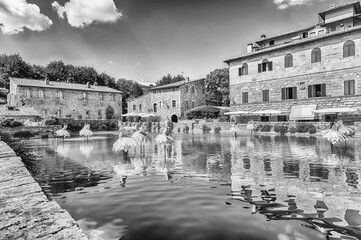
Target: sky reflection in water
(207, 187)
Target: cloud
(81, 13)
(16, 15)
(283, 4)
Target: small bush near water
(206, 129)
(11, 123)
(266, 128)
(186, 129)
(281, 129)
(217, 129)
(24, 134)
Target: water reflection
(281, 178)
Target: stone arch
(155, 107)
(174, 118)
(109, 112)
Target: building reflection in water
(287, 178)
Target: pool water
(209, 186)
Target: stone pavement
(25, 211)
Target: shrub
(178, 130)
(293, 130)
(13, 124)
(149, 126)
(205, 128)
(302, 127)
(217, 129)
(186, 129)
(75, 126)
(44, 135)
(266, 128)
(103, 127)
(312, 129)
(52, 121)
(113, 125)
(258, 127)
(281, 129)
(24, 134)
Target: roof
(287, 33)
(293, 43)
(176, 84)
(342, 5)
(209, 109)
(61, 85)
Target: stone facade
(68, 100)
(334, 71)
(170, 101)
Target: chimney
(263, 36)
(46, 81)
(88, 85)
(249, 47)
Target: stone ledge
(25, 211)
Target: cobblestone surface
(25, 211)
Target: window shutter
(346, 87)
(294, 93)
(270, 67)
(259, 67)
(352, 87)
(309, 91)
(239, 71)
(283, 93)
(323, 90)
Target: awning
(131, 115)
(145, 115)
(209, 109)
(269, 112)
(335, 110)
(302, 112)
(236, 113)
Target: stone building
(171, 100)
(60, 99)
(296, 72)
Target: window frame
(349, 48)
(313, 93)
(288, 60)
(175, 103)
(243, 70)
(350, 88)
(265, 97)
(287, 91)
(245, 97)
(316, 55)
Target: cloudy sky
(146, 39)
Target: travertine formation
(25, 211)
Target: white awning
(303, 112)
(269, 112)
(236, 113)
(335, 110)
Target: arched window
(265, 66)
(243, 70)
(348, 49)
(288, 60)
(316, 55)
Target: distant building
(171, 100)
(60, 99)
(295, 72)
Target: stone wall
(142, 104)
(192, 95)
(164, 100)
(94, 105)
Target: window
(203, 91)
(99, 114)
(282, 118)
(192, 104)
(59, 113)
(87, 114)
(160, 104)
(245, 97)
(321, 32)
(317, 90)
(333, 28)
(312, 34)
(186, 105)
(113, 97)
(243, 70)
(134, 107)
(101, 97)
(186, 88)
(41, 94)
(265, 95)
(85, 96)
(305, 35)
(349, 87)
(60, 95)
(192, 89)
(140, 107)
(289, 93)
(288, 61)
(272, 42)
(264, 118)
(316, 55)
(27, 93)
(349, 49)
(155, 107)
(174, 103)
(264, 66)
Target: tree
(168, 79)
(137, 90)
(217, 86)
(13, 66)
(57, 71)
